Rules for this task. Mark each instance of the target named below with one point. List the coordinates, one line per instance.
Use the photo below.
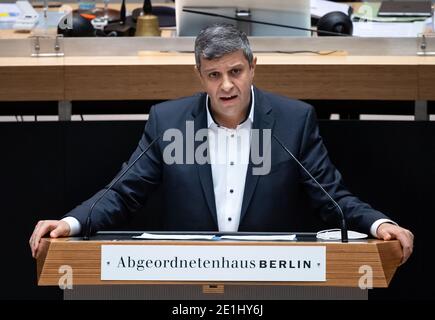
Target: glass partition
(368, 19)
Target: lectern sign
(213, 263)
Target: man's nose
(227, 84)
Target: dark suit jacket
(270, 203)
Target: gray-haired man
(223, 193)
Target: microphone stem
(265, 23)
(88, 226)
(86, 236)
(343, 228)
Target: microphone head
(335, 21)
(82, 26)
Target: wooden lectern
(343, 272)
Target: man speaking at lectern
(232, 190)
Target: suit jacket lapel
(263, 119)
(204, 170)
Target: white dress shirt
(229, 151)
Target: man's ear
(252, 66)
(198, 73)
(254, 63)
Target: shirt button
(229, 219)
(232, 135)
(231, 190)
(231, 163)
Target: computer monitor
(295, 13)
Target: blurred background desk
(374, 75)
(162, 76)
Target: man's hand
(57, 228)
(388, 231)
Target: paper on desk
(153, 236)
(383, 29)
(9, 12)
(289, 237)
(321, 7)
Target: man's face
(228, 80)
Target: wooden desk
(343, 260)
(168, 76)
(30, 79)
(348, 266)
(302, 77)
(171, 76)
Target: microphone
(343, 227)
(322, 32)
(147, 7)
(122, 14)
(87, 229)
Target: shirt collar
(210, 120)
